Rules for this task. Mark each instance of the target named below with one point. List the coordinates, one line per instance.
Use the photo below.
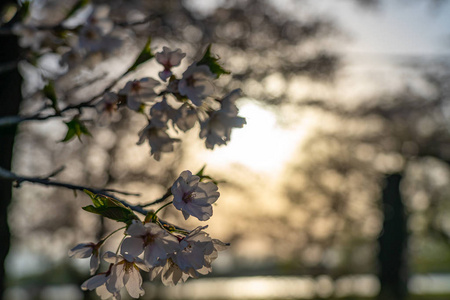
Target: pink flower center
(167, 65)
(136, 86)
(149, 239)
(188, 197)
(190, 81)
(110, 107)
(128, 266)
(91, 34)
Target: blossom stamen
(188, 197)
(149, 238)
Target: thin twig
(14, 120)
(135, 23)
(56, 172)
(164, 197)
(121, 192)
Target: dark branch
(164, 197)
(135, 23)
(10, 176)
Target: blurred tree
(364, 156)
(10, 85)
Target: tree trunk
(392, 243)
(10, 98)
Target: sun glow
(262, 145)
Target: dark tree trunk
(392, 243)
(10, 98)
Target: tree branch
(164, 197)
(10, 176)
(136, 23)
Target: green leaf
(109, 208)
(98, 200)
(75, 128)
(79, 5)
(212, 62)
(49, 92)
(119, 214)
(145, 55)
(200, 173)
(91, 209)
(24, 10)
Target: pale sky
(397, 27)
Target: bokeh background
(337, 187)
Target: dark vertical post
(392, 243)
(10, 98)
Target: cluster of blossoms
(178, 103)
(82, 33)
(170, 102)
(154, 246)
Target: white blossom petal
(196, 84)
(154, 272)
(104, 294)
(134, 284)
(94, 263)
(136, 229)
(186, 215)
(140, 263)
(115, 281)
(153, 253)
(111, 257)
(94, 282)
(83, 250)
(132, 246)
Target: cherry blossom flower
(139, 91)
(168, 59)
(158, 140)
(217, 128)
(198, 251)
(71, 58)
(100, 17)
(95, 34)
(33, 38)
(194, 198)
(90, 38)
(195, 83)
(186, 117)
(151, 239)
(85, 250)
(170, 273)
(96, 281)
(161, 113)
(194, 247)
(107, 107)
(125, 272)
(194, 258)
(104, 294)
